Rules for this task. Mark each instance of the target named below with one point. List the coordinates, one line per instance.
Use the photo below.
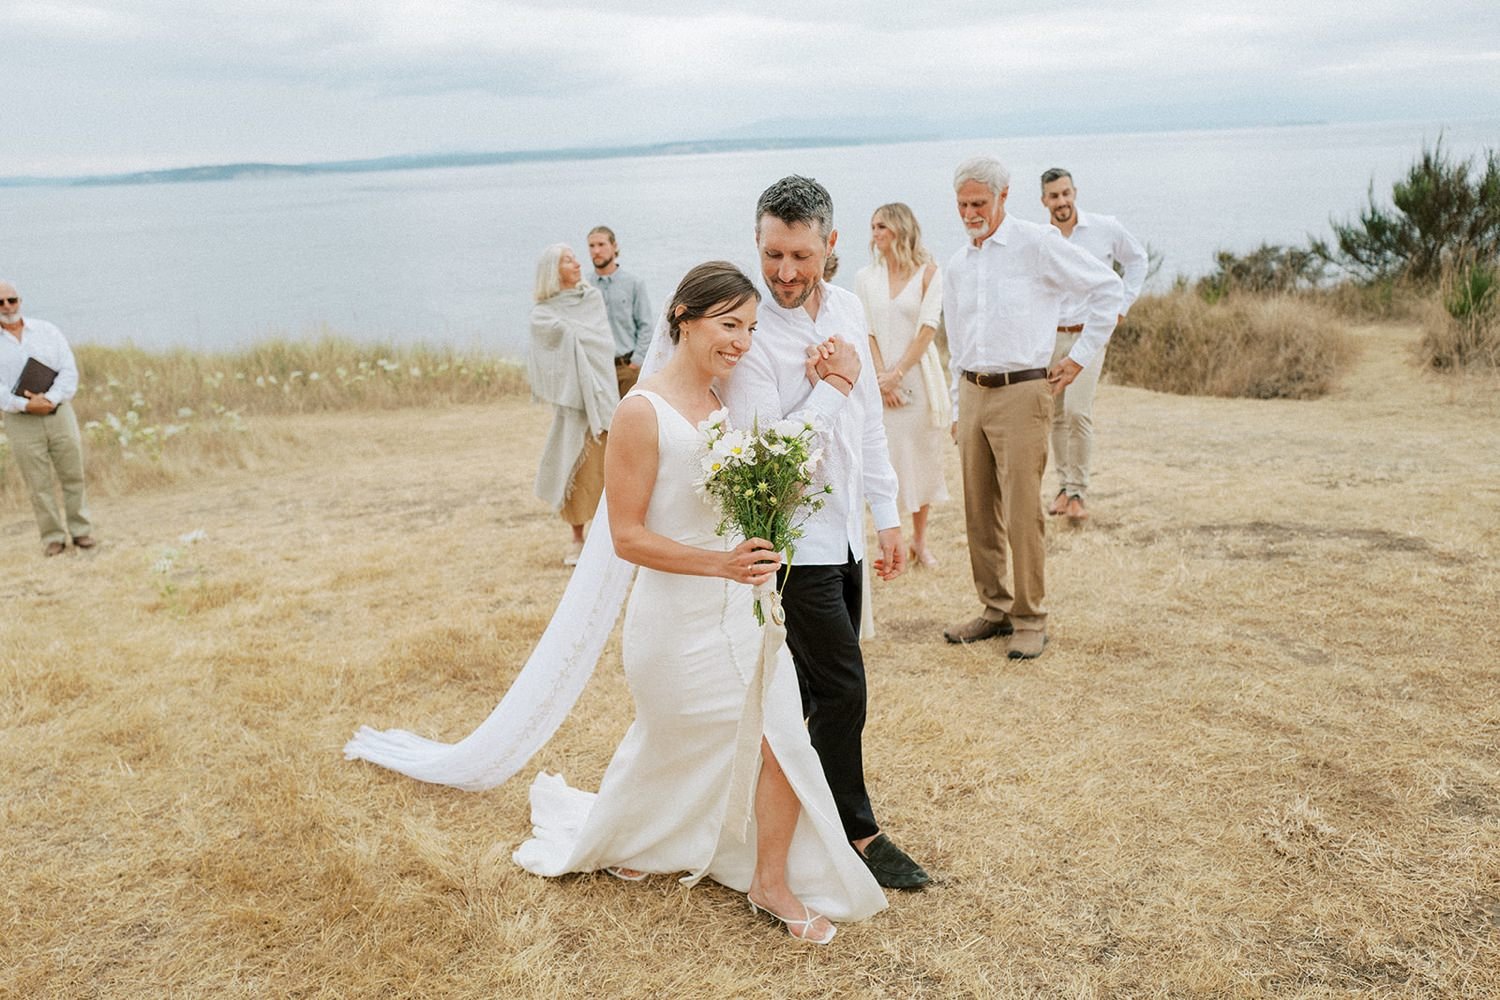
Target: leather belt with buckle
(1071, 329)
(994, 380)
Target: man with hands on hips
(1002, 293)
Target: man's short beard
(598, 266)
(812, 286)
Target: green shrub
(1465, 331)
(1441, 217)
(1267, 269)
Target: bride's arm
(630, 458)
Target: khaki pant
(588, 483)
(44, 445)
(626, 376)
(1073, 421)
(1002, 445)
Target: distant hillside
(428, 161)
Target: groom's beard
(795, 297)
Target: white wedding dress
(691, 645)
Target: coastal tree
(1444, 213)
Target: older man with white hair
(1002, 295)
(38, 378)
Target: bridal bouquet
(762, 480)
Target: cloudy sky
(93, 86)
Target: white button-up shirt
(43, 341)
(1002, 300)
(1107, 240)
(770, 382)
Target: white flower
(196, 535)
(185, 412)
(714, 421)
(788, 428)
(712, 465)
(735, 446)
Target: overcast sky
(95, 86)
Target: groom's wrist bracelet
(847, 380)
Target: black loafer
(891, 866)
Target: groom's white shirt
(770, 382)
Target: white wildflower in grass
(271, 379)
(416, 372)
(313, 376)
(196, 535)
(260, 380)
(761, 480)
(295, 374)
(184, 412)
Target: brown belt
(623, 359)
(994, 380)
(1071, 329)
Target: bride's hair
(710, 289)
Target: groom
(805, 362)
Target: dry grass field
(1261, 757)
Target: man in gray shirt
(625, 300)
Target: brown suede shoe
(1026, 644)
(977, 629)
(84, 542)
(54, 549)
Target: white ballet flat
(798, 929)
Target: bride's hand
(753, 561)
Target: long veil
(550, 683)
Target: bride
(691, 648)
(716, 776)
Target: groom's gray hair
(795, 199)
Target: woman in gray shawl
(571, 366)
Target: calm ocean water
(447, 256)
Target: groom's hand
(839, 359)
(892, 554)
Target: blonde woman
(903, 296)
(572, 367)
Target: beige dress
(917, 433)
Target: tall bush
(1261, 347)
(1445, 212)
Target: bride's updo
(710, 289)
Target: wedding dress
(691, 647)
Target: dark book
(35, 377)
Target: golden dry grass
(1260, 759)
(1256, 346)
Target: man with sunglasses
(40, 425)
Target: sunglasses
(9, 302)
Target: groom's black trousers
(822, 606)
